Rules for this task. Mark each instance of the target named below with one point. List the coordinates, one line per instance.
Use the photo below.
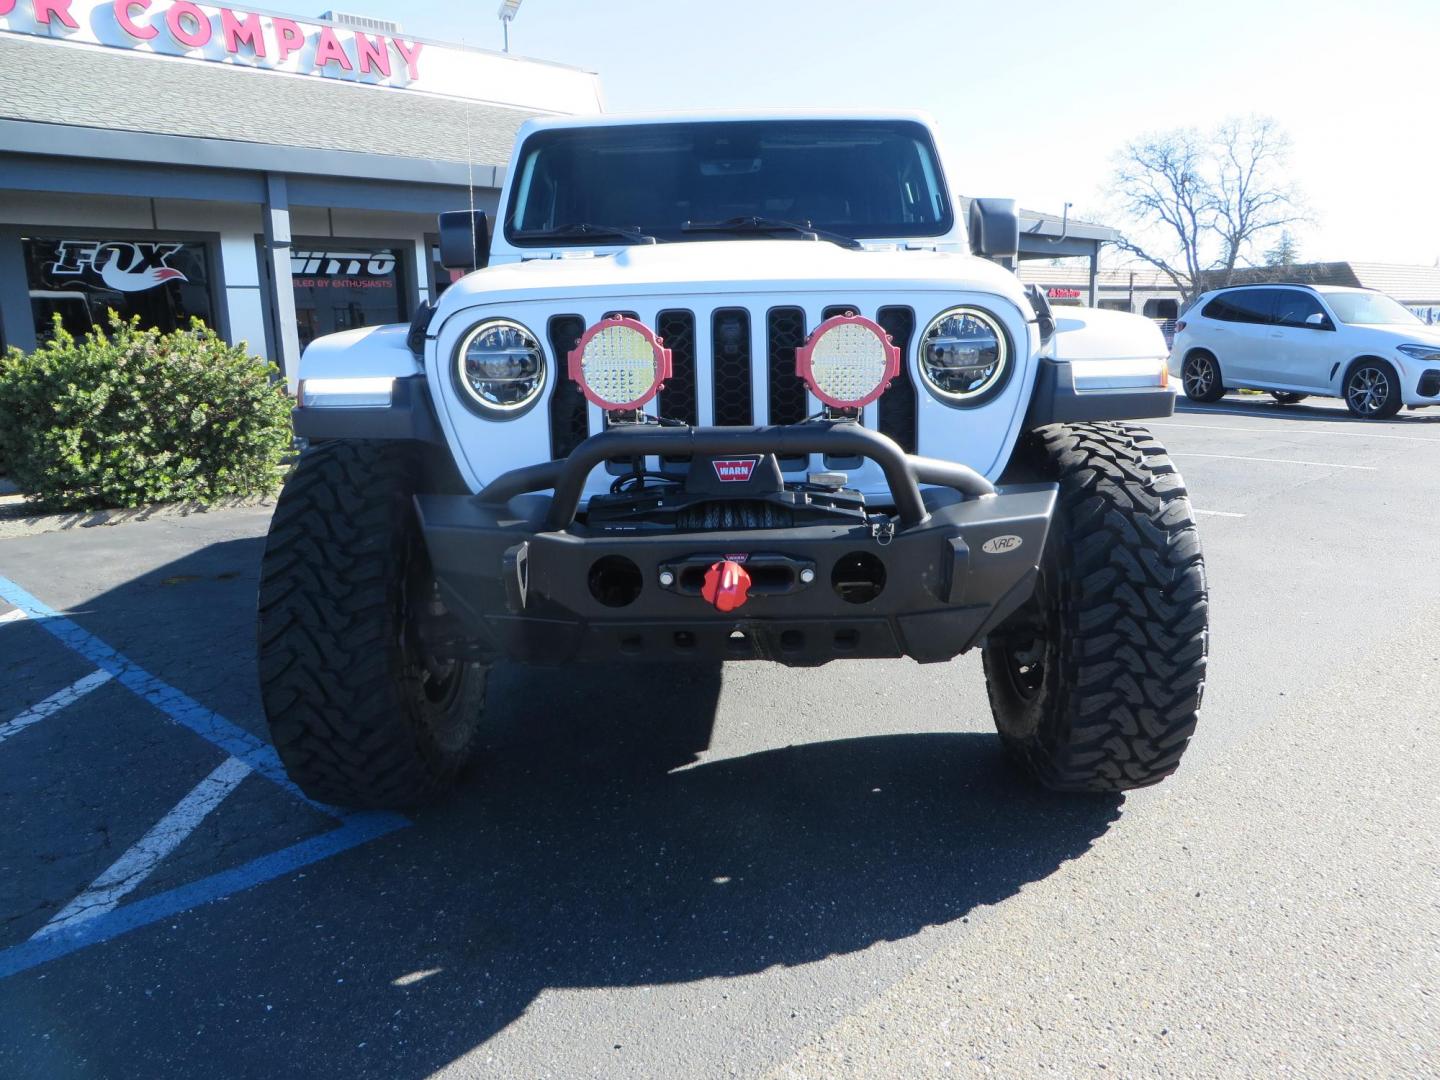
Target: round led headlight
(964, 356)
(500, 368)
(848, 361)
(619, 363)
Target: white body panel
(752, 274)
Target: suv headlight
(1421, 352)
(964, 356)
(501, 368)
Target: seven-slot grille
(718, 388)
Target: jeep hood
(791, 267)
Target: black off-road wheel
(360, 712)
(1095, 683)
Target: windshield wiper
(742, 225)
(584, 228)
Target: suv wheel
(1284, 397)
(1200, 377)
(1095, 683)
(1372, 390)
(361, 713)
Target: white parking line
(54, 703)
(13, 615)
(1217, 513)
(1274, 460)
(1291, 428)
(136, 864)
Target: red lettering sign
(411, 53)
(196, 33)
(288, 38)
(735, 470)
(372, 55)
(1058, 293)
(245, 28)
(328, 50)
(59, 8)
(127, 21)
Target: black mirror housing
(994, 228)
(464, 240)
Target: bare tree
(1200, 201)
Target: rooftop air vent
(362, 22)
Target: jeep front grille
(718, 387)
(896, 407)
(677, 397)
(785, 332)
(569, 417)
(730, 339)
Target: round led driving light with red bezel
(619, 363)
(848, 361)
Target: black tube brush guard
(904, 473)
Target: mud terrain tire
(359, 714)
(1095, 684)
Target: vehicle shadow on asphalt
(594, 844)
(1264, 408)
(589, 850)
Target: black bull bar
(519, 572)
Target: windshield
(1367, 309)
(856, 178)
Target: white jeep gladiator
(731, 388)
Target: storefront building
(277, 177)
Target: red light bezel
(804, 363)
(576, 368)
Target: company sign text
(183, 28)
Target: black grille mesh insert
(896, 406)
(730, 345)
(785, 332)
(569, 421)
(677, 399)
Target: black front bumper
(526, 580)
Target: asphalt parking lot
(668, 872)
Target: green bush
(136, 416)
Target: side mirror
(994, 228)
(1318, 319)
(464, 240)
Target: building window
(340, 286)
(165, 282)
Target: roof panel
(84, 86)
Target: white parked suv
(731, 388)
(1297, 340)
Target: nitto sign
(330, 263)
(206, 32)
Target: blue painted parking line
(358, 829)
(176, 704)
(354, 829)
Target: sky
(1033, 99)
